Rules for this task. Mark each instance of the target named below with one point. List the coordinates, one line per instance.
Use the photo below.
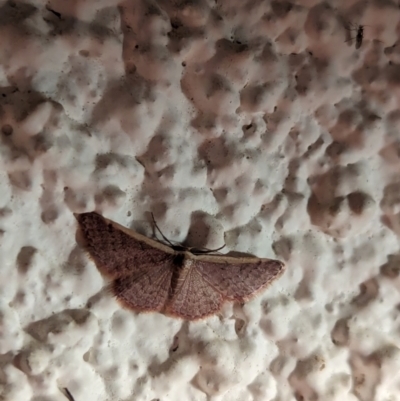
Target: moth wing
(238, 279)
(116, 250)
(147, 290)
(193, 297)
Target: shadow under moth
(150, 276)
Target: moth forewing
(141, 238)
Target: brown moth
(359, 33)
(150, 276)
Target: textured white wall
(251, 122)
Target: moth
(150, 276)
(359, 35)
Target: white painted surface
(234, 121)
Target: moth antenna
(67, 394)
(218, 249)
(156, 226)
(211, 250)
